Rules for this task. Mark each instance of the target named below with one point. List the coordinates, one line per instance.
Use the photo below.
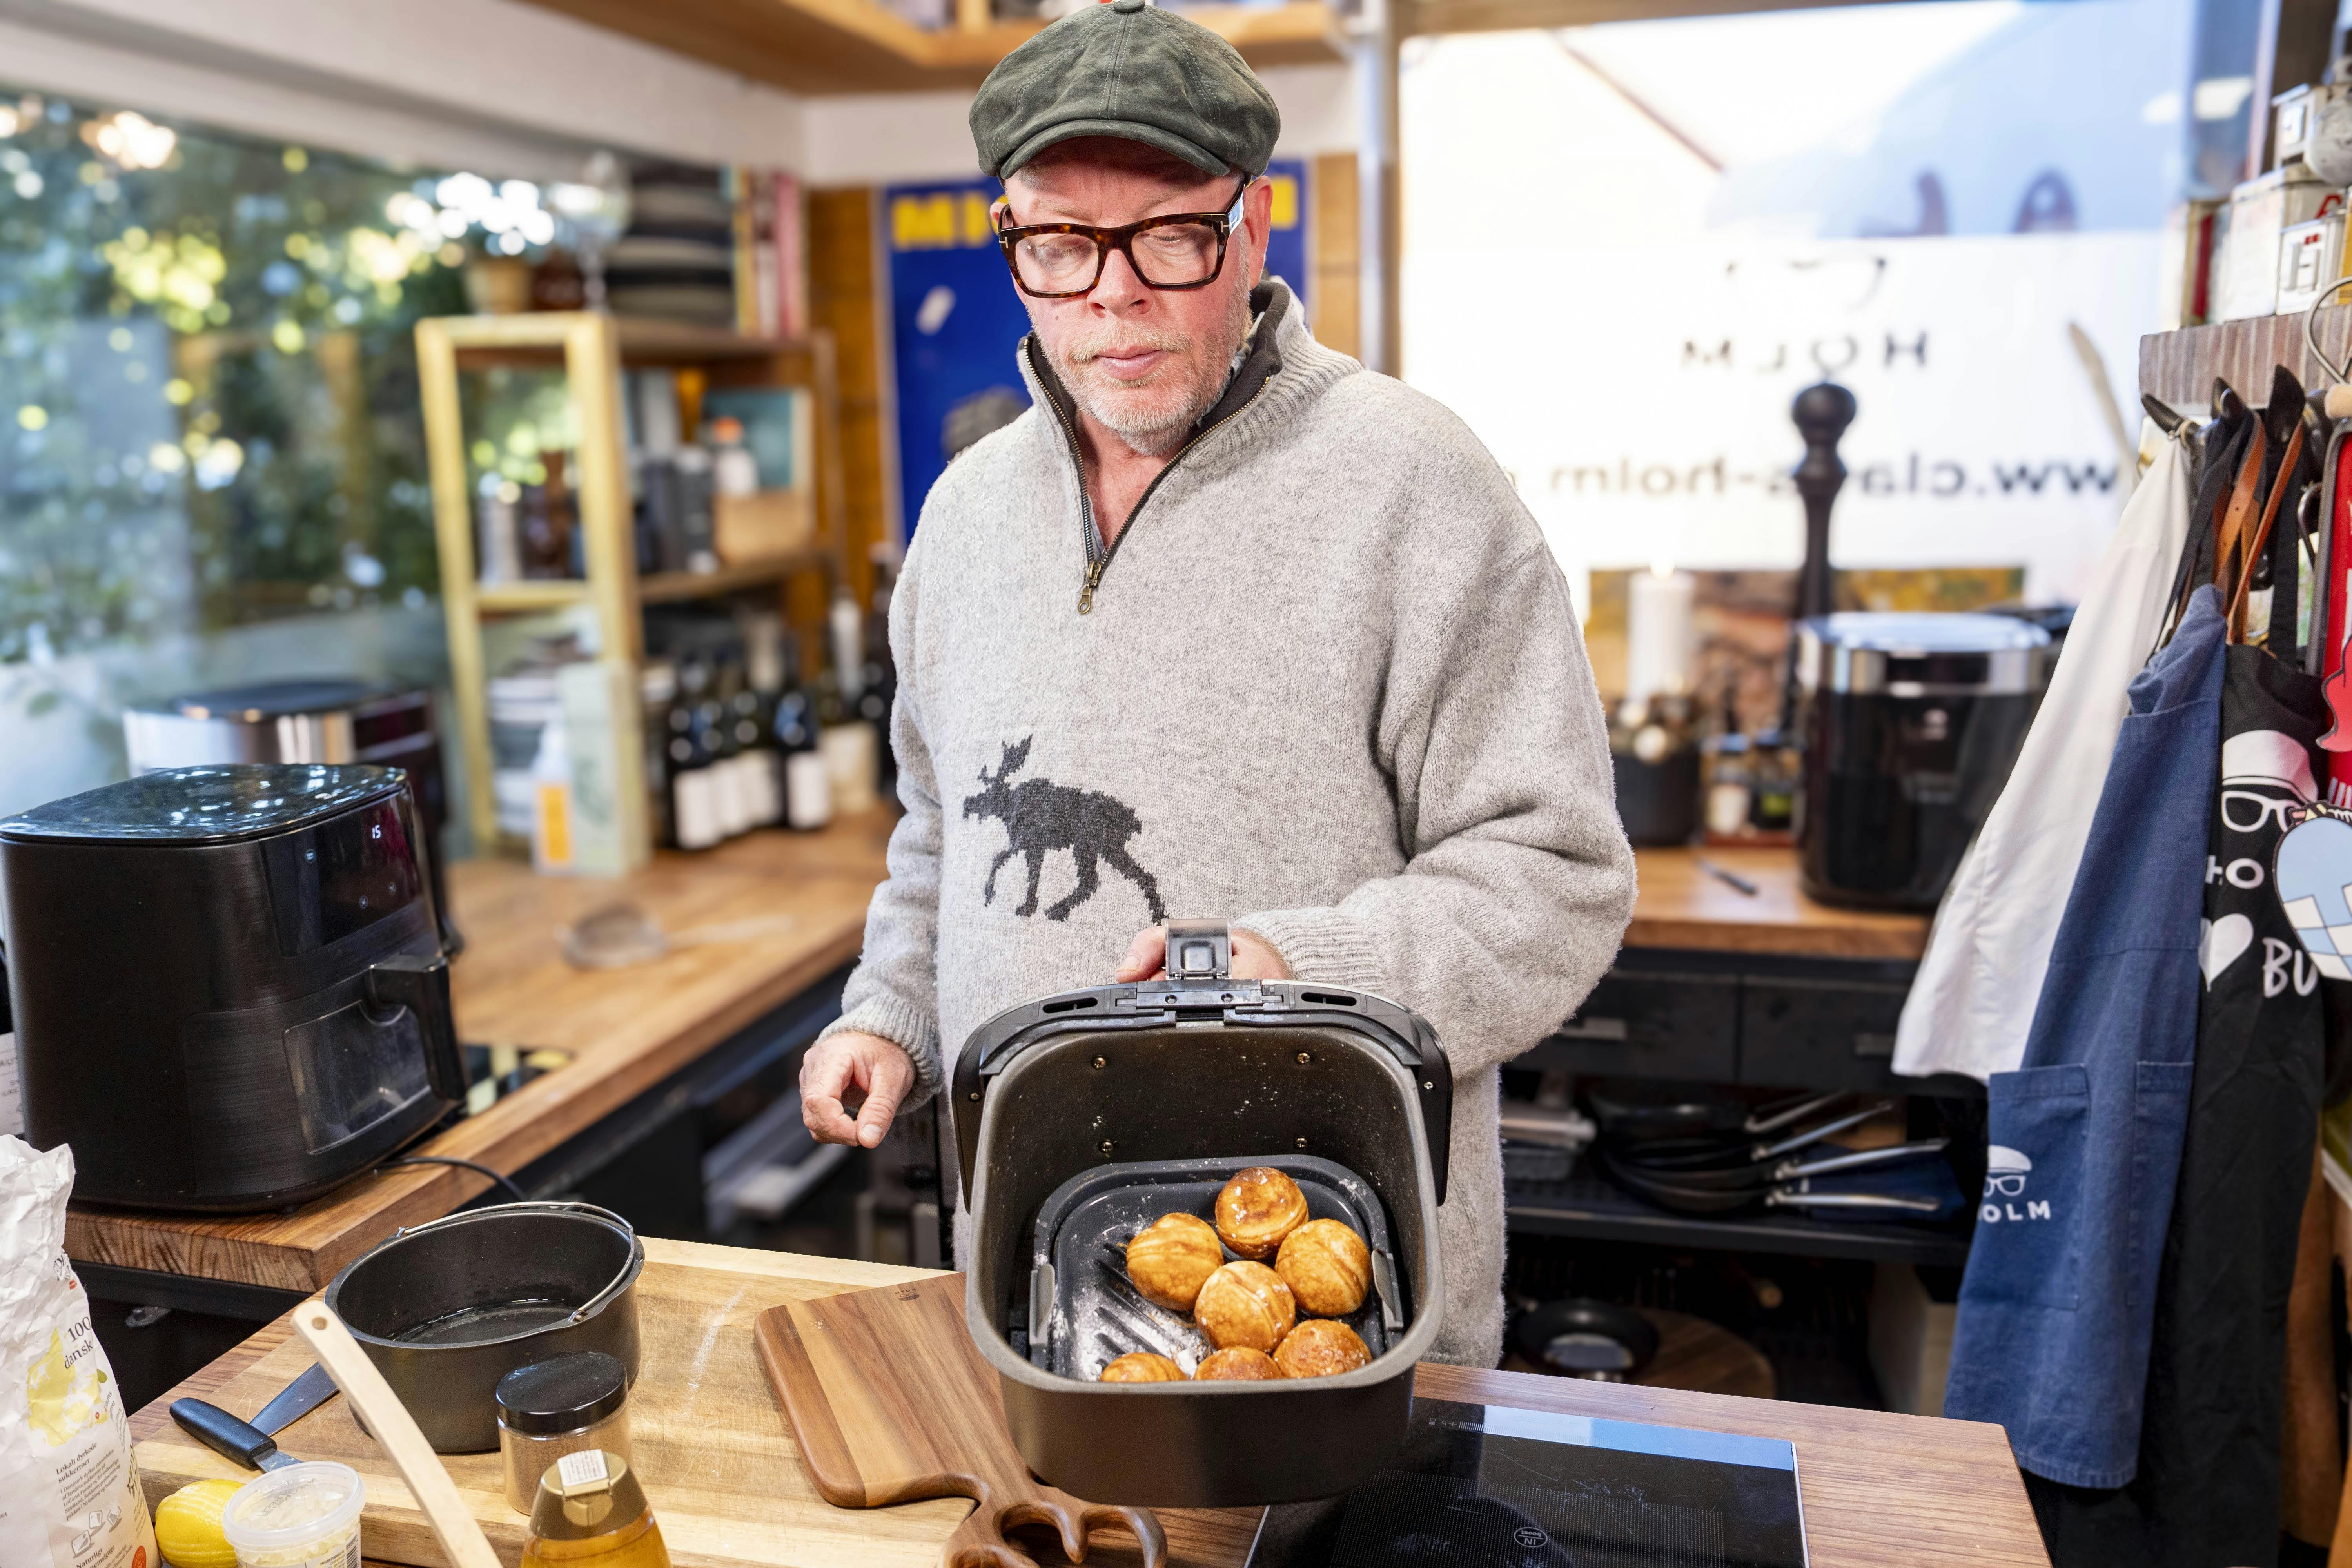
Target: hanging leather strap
(2236, 515)
(2289, 463)
(2220, 452)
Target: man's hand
(867, 1062)
(1147, 957)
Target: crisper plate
(1078, 1287)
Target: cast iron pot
(447, 1309)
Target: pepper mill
(1821, 412)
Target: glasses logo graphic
(2005, 1172)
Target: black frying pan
(1585, 1338)
(1667, 1154)
(1641, 1111)
(1729, 1191)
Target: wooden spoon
(461, 1537)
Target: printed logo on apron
(2005, 1198)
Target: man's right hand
(877, 1067)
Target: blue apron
(2052, 1335)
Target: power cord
(505, 1181)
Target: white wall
(493, 84)
(884, 138)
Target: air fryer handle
(420, 983)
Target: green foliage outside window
(208, 406)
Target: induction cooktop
(1493, 1486)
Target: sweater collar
(1261, 361)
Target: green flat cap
(1132, 70)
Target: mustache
(1123, 342)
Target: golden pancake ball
(1321, 1347)
(1239, 1365)
(1245, 1304)
(1257, 1208)
(1170, 1258)
(1327, 1268)
(1142, 1366)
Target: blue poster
(956, 318)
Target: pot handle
(550, 1206)
(420, 983)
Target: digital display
(343, 876)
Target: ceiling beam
(859, 45)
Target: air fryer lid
(1199, 989)
(214, 804)
(1921, 654)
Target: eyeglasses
(2243, 811)
(1064, 260)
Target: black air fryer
(1081, 1117)
(1912, 723)
(229, 994)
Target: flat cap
(1132, 70)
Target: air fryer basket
(1200, 1067)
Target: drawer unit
(1650, 1023)
(1819, 1034)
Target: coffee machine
(1912, 722)
(228, 982)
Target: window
(208, 410)
(1628, 246)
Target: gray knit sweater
(1330, 687)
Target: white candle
(1661, 633)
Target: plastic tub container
(298, 1516)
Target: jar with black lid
(557, 1406)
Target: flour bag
(69, 1487)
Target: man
(1248, 632)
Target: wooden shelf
(528, 598)
(542, 337)
(860, 45)
(660, 588)
(2178, 367)
(590, 349)
(669, 587)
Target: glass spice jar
(565, 1404)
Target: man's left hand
(1254, 959)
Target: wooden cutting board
(710, 1443)
(718, 1460)
(890, 1401)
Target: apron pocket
(2028, 1246)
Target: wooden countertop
(1680, 906)
(1878, 1489)
(796, 905)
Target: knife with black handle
(228, 1436)
(253, 1444)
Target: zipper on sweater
(1099, 554)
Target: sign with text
(1639, 398)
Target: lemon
(188, 1525)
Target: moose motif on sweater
(1041, 817)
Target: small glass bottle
(565, 1404)
(591, 1513)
